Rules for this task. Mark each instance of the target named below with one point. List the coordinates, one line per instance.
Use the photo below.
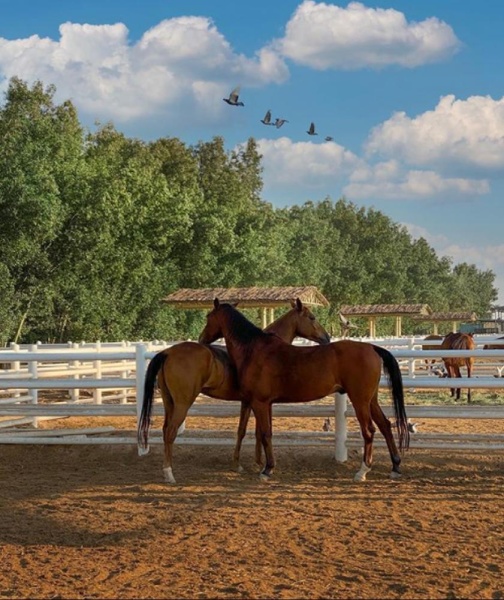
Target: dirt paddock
(98, 522)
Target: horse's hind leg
(242, 430)
(262, 413)
(458, 375)
(363, 415)
(385, 428)
(173, 419)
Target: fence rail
(121, 368)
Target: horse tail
(393, 373)
(148, 396)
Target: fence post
(32, 367)
(340, 427)
(98, 393)
(141, 365)
(16, 366)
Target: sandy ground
(98, 522)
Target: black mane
(244, 331)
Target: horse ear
(293, 303)
(235, 304)
(216, 302)
(299, 304)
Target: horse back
(280, 372)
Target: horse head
(306, 324)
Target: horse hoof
(359, 477)
(240, 469)
(168, 475)
(395, 475)
(265, 477)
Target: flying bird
(233, 97)
(267, 119)
(329, 138)
(311, 131)
(279, 122)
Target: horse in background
(188, 369)
(500, 370)
(458, 341)
(431, 361)
(270, 370)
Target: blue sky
(412, 94)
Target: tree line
(96, 228)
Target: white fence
(108, 379)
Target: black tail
(145, 417)
(393, 373)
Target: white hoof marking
(143, 451)
(168, 475)
(362, 472)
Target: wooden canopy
(264, 298)
(455, 317)
(372, 311)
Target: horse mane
(243, 330)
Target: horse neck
(239, 341)
(284, 327)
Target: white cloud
(305, 163)
(387, 180)
(325, 36)
(455, 136)
(171, 65)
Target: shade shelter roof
(266, 299)
(386, 310)
(372, 311)
(455, 317)
(449, 316)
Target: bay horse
(270, 370)
(458, 341)
(188, 369)
(433, 336)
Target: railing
(121, 368)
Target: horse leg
(242, 430)
(262, 413)
(173, 420)
(258, 448)
(469, 365)
(457, 374)
(385, 428)
(451, 374)
(363, 415)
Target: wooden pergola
(442, 317)
(374, 311)
(266, 299)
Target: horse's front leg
(242, 430)
(262, 412)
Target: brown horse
(494, 346)
(270, 370)
(431, 361)
(188, 369)
(458, 341)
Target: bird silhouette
(329, 138)
(279, 122)
(311, 131)
(267, 119)
(233, 97)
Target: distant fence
(108, 379)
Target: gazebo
(398, 311)
(442, 317)
(266, 299)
